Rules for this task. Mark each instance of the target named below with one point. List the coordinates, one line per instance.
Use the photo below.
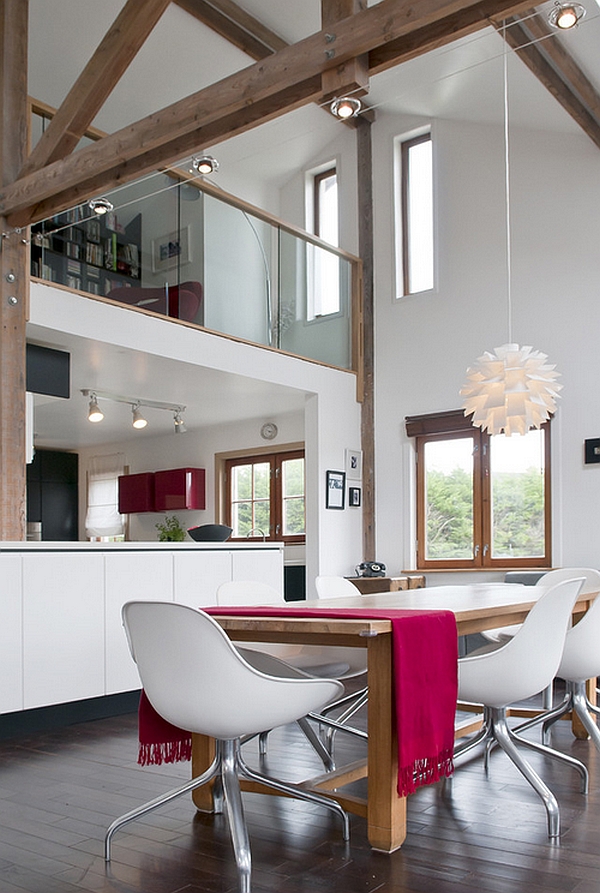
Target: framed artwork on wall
(336, 490)
(354, 465)
(354, 496)
(171, 250)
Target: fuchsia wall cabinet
(163, 491)
(136, 493)
(179, 488)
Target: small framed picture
(354, 465)
(171, 250)
(354, 496)
(336, 490)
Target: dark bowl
(210, 533)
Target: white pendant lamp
(510, 389)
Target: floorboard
(60, 789)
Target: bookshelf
(90, 255)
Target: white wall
(332, 414)
(425, 343)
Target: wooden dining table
(476, 607)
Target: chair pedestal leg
(580, 705)
(557, 755)
(235, 811)
(501, 733)
(159, 801)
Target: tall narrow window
(482, 501)
(323, 297)
(415, 250)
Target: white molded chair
(328, 661)
(196, 679)
(521, 668)
(580, 662)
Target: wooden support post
(14, 271)
(365, 250)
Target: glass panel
(420, 216)
(517, 495)
(262, 517)
(241, 482)
(328, 209)
(449, 498)
(241, 518)
(262, 480)
(292, 472)
(238, 277)
(302, 330)
(293, 516)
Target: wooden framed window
(415, 222)
(482, 501)
(265, 496)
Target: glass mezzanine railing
(185, 250)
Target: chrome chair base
(575, 700)
(227, 769)
(495, 730)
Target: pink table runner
(425, 691)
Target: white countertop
(135, 547)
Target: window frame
(451, 426)
(317, 180)
(275, 458)
(403, 223)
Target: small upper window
(323, 267)
(414, 243)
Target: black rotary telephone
(370, 569)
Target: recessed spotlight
(100, 205)
(566, 15)
(346, 107)
(205, 164)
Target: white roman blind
(102, 516)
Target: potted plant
(170, 530)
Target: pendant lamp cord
(507, 188)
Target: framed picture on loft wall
(336, 490)
(354, 465)
(171, 250)
(354, 496)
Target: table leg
(203, 753)
(386, 811)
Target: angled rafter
(541, 50)
(276, 84)
(235, 25)
(119, 46)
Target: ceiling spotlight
(95, 414)
(138, 419)
(205, 164)
(100, 205)
(346, 107)
(179, 424)
(566, 15)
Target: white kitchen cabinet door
(63, 627)
(11, 638)
(198, 575)
(130, 576)
(262, 565)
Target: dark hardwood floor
(60, 790)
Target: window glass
(415, 250)
(449, 498)
(292, 485)
(517, 495)
(265, 496)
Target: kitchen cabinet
(136, 492)
(63, 627)
(11, 635)
(179, 488)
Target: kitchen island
(61, 638)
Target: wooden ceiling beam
(543, 54)
(235, 25)
(99, 77)
(271, 81)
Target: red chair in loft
(183, 301)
